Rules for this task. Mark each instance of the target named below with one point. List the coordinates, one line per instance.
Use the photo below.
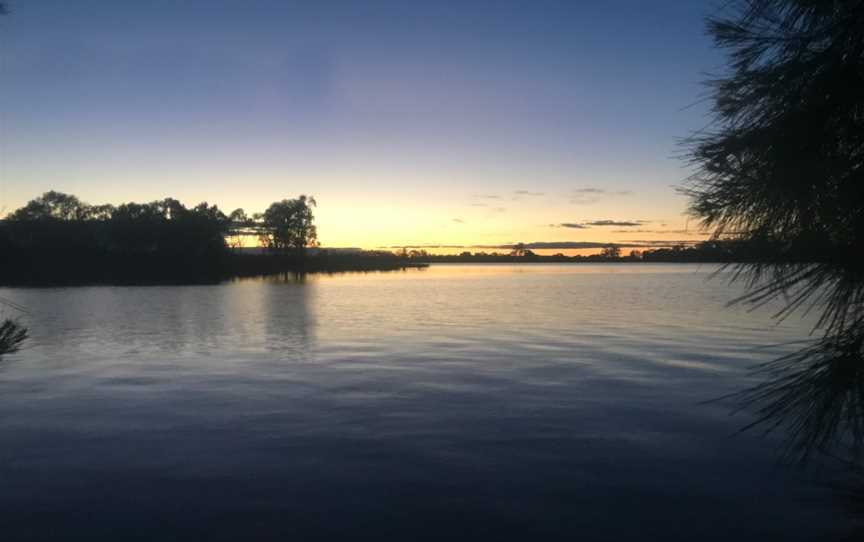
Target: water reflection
(549, 403)
(150, 321)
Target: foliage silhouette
(521, 251)
(57, 206)
(12, 334)
(713, 251)
(287, 225)
(781, 169)
(57, 238)
(611, 252)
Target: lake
(458, 402)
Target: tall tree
(782, 168)
(288, 225)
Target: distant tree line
(713, 251)
(58, 233)
(58, 238)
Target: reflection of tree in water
(287, 315)
(781, 168)
(255, 316)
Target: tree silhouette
(518, 250)
(781, 168)
(53, 205)
(239, 226)
(287, 225)
(58, 239)
(12, 334)
(611, 252)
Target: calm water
(512, 402)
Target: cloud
(424, 246)
(659, 243)
(560, 245)
(499, 210)
(458, 221)
(676, 232)
(479, 205)
(600, 223)
(547, 245)
(619, 223)
(538, 245)
(595, 244)
(589, 191)
(588, 195)
(485, 196)
(528, 193)
(551, 245)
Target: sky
(459, 123)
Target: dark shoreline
(239, 267)
(141, 270)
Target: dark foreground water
(453, 403)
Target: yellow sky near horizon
(449, 134)
(448, 216)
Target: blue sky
(411, 122)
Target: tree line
(710, 251)
(159, 239)
(286, 225)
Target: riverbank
(40, 269)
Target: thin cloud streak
(528, 193)
(601, 223)
(676, 232)
(591, 194)
(540, 245)
(620, 223)
(573, 225)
